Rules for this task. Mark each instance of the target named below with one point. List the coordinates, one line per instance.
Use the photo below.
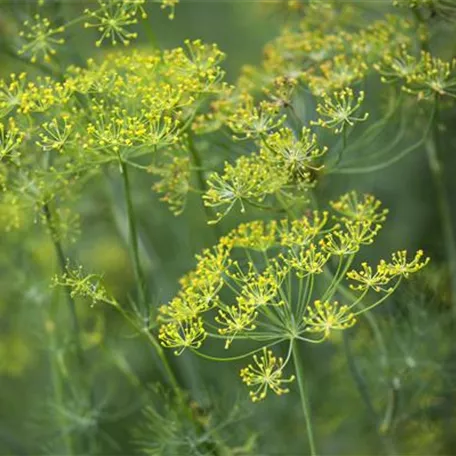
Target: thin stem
(304, 404)
(139, 274)
(61, 259)
(436, 168)
(395, 158)
(201, 182)
(133, 233)
(344, 145)
(57, 379)
(166, 365)
(363, 389)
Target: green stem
(395, 158)
(57, 380)
(133, 233)
(61, 259)
(344, 145)
(139, 274)
(363, 390)
(166, 365)
(196, 158)
(302, 394)
(436, 168)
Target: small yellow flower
(256, 235)
(400, 266)
(302, 231)
(10, 138)
(111, 20)
(266, 373)
(182, 335)
(40, 38)
(250, 121)
(432, 77)
(235, 319)
(337, 110)
(365, 208)
(326, 316)
(309, 261)
(56, 134)
(339, 243)
(367, 279)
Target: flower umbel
(337, 110)
(41, 38)
(327, 316)
(266, 373)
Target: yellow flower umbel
(325, 317)
(337, 110)
(432, 77)
(367, 278)
(111, 19)
(251, 121)
(265, 374)
(284, 167)
(40, 39)
(182, 335)
(400, 266)
(235, 319)
(336, 74)
(10, 139)
(272, 283)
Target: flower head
(325, 317)
(111, 19)
(266, 373)
(41, 38)
(400, 266)
(182, 335)
(337, 110)
(365, 209)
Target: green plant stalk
(133, 234)
(436, 168)
(57, 384)
(139, 274)
(302, 394)
(61, 259)
(167, 367)
(363, 390)
(201, 182)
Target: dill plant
(295, 275)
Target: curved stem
(437, 171)
(392, 160)
(302, 394)
(238, 357)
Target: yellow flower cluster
(266, 373)
(10, 139)
(40, 38)
(337, 110)
(285, 164)
(82, 285)
(174, 182)
(324, 317)
(425, 76)
(272, 281)
(130, 105)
